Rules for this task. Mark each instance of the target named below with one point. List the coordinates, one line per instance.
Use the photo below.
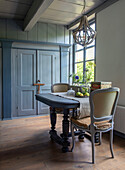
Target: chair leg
(73, 141)
(93, 147)
(100, 138)
(111, 143)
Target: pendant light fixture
(84, 34)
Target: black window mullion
(78, 62)
(79, 50)
(84, 64)
(74, 55)
(89, 47)
(90, 60)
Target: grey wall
(0, 84)
(45, 32)
(110, 54)
(110, 46)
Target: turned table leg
(65, 127)
(53, 121)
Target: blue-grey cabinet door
(48, 72)
(26, 77)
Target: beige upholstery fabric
(102, 125)
(85, 122)
(103, 103)
(60, 88)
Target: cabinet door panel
(47, 65)
(26, 78)
(56, 67)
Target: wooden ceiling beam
(95, 10)
(35, 12)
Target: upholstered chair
(103, 104)
(60, 87)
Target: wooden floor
(25, 144)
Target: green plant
(75, 78)
(88, 74)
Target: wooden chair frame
(92, 130)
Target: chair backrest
(60, 87)
(103, 103)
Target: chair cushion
(103, 125)
(85, 123)
(60, 88)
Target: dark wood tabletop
(57, 101)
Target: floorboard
(25, 145)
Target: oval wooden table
(59, 102)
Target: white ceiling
(66, 11)
(14, 9)
(60, 11)
(51, 11)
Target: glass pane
(79, 56)
(79, 47)
(90, 71)
(79, 71)
(93, 43)
(90, 53)
(92, 26)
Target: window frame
(84, 49)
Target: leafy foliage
(89, 73)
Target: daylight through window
(84, 61)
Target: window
(84, 61)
